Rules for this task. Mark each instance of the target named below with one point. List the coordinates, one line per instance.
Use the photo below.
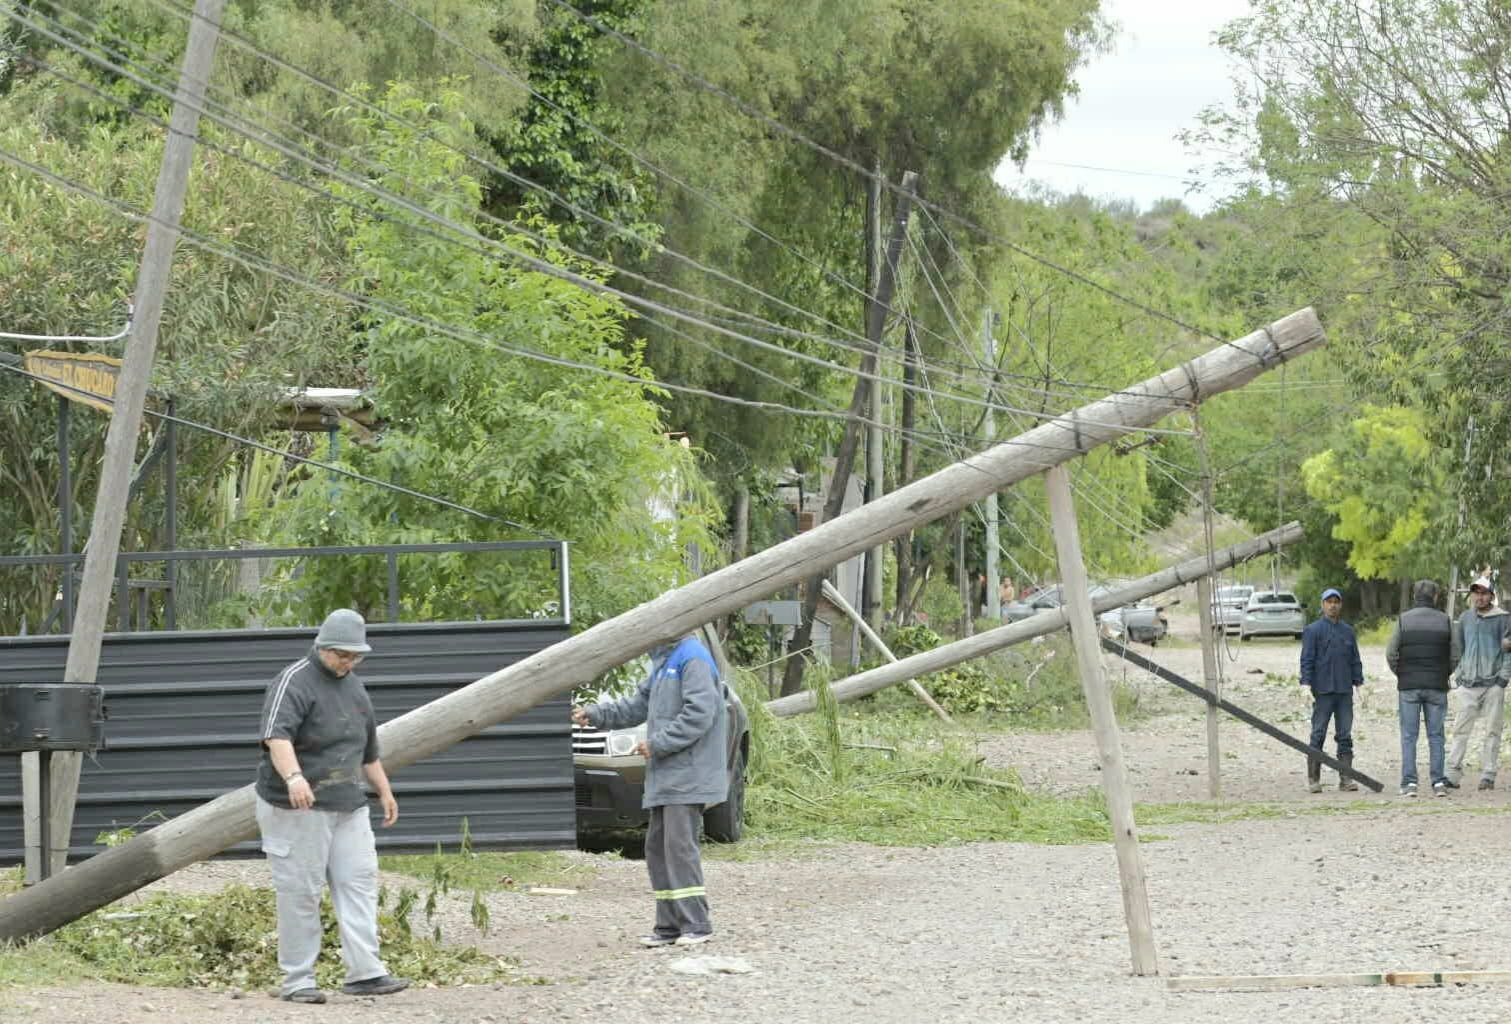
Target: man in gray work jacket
(319, 741)
(1484, 669)
(1422, 652)
(682, 705)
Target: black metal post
(65, 510)
(44, 806)
(123, 593)
(170, 485)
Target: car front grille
(589, 741)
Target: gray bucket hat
(343, 630)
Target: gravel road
(1000, 931)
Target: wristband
(291, 776)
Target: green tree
(564, 451)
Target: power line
(870, 174)
(535, 263)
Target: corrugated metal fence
(184, 711)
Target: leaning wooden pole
(1041, 624)
(1104, 724)
(495, 698)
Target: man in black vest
(1423, 652)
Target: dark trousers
(676, 869)
(1340, 708)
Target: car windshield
(1273, 599)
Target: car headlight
(622, 741)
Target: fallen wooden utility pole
(495, 698)
(859, 622)
(1246, 717)
(1040, 624)
(1275, 982)
(130, 400)
(1104, 724)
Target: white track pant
(306, 850)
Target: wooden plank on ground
(1275, 982)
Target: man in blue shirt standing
(1331, 666)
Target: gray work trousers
(306, 850)
(1475, 702)
(676, 870)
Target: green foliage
(569, 453)
(847, 773)
(1384, 484)
(229, 939)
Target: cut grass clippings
(229, 940)
(894, 778)
(471, 871)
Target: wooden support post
(510, 691)
(1209, 674)
(1278, 982)
(838, 600)
(1083, 631)
(130, 400)
(1042, 624)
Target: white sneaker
(1438, 789)
(657, 939)
(693, 938)
(1410, 789)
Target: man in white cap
(319, 741)
(1484, 669)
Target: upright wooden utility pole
(1104, 723)
(130, 397)
(993, 566)
(871, 595)
(1209, 676)
(500, 696)
(792, 677)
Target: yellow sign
(80, 376)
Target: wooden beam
(1276, 982)
(1248, 718)
(838, 600)
(1041, 624)
(500, 696)
(1104, 723)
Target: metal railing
(131, 590)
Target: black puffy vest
(1426, 640)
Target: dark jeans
(1413, 705)
(1340, 708)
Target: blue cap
(1332, 592)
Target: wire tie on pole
(1272, 354)
(1191, 379)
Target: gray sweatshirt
(1481, 637)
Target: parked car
(1050, 596)
(1228, 605)
(610, 776)
(1140, 622)
(1272, 613)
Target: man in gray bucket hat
(319, 741)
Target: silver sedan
(1272, 613)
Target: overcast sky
(1118, 137)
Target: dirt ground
(1004, 931)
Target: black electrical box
(51, 716)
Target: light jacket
(1484, 661)
(1330, 657)
(687, 726)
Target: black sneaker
(304, 995)
(1450, 784)
(1486, 784)
(1439, 789)
(383, 985)
(655, 939)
